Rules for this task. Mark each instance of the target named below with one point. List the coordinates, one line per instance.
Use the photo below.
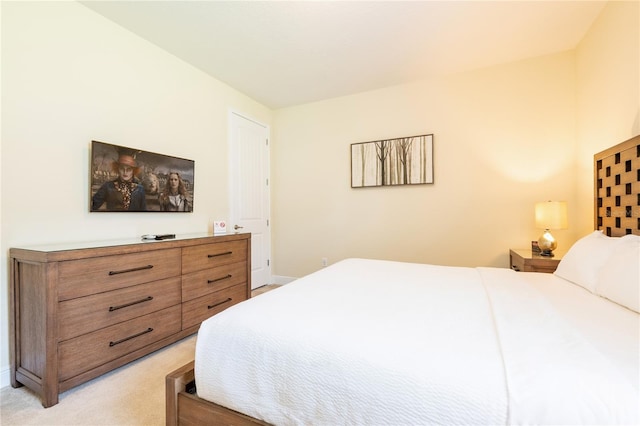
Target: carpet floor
(130, 395)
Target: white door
(249, 191)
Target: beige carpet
(131, 395)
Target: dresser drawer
(205, 256)
(86, 314)
(200, 283)
(99, 274)
(94, 349)
(197, 310)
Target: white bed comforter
(389, 343)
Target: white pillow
(619, 278)
(581, 265)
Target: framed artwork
(125, 179)
(390, 162)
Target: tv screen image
(125, 179)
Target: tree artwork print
(390, 162)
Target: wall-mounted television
(125, 179)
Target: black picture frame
(392, 162)
(125, 179)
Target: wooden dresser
(81, 310)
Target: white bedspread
(390, 343)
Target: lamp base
(547, 244)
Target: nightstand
(525, 261)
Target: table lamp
(550, 215)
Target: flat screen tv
(125, 179)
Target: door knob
(236, 227)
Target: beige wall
(505, 137)
(70, 76)
(608, 70)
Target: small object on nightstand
(525, 260)
(535, 248)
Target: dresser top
(64, 251)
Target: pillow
(619, 278)
(581, 265)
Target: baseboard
(279, 279)
(5, 377)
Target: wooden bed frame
(185, 408)
(617, 212)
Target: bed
(380, 342)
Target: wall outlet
(324, 262)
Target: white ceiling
(284, 53)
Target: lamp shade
(551, 215)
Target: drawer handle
(124, 271)
(219, 279)
(117, 342)
(219, 254)
(220, 303)
(115, 308)
(515, 268)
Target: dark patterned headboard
(617, 189)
